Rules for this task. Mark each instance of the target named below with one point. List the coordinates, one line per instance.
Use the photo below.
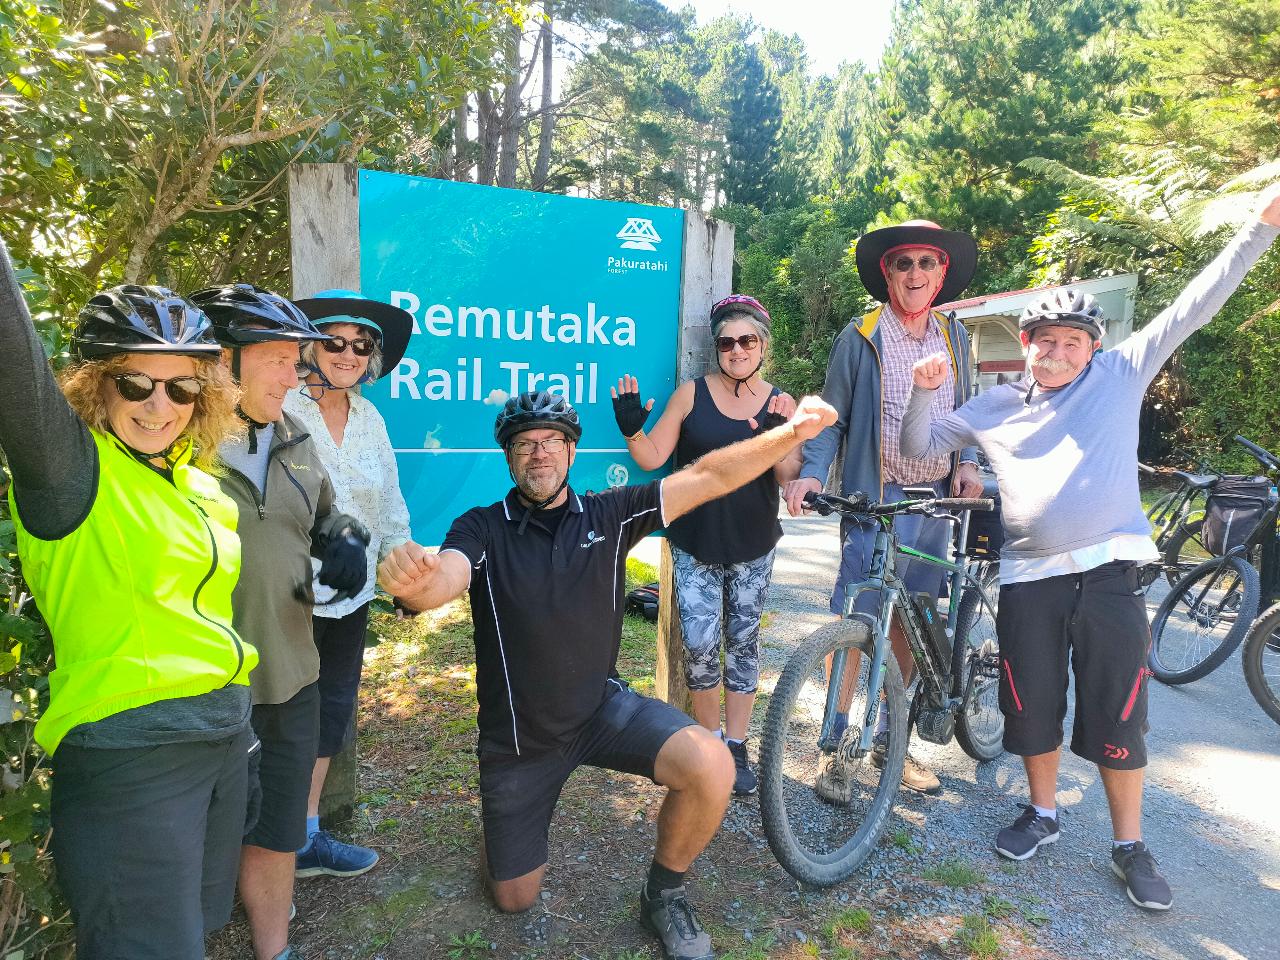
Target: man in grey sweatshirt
(1063, 443)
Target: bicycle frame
(945, 679)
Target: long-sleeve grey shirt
(1067, 460)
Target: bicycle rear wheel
(1184, 551)
(980, 724)
(818, 842)
(1261, 659)
(1203, 619)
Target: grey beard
(535, 491)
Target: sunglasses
(747, 341)
(136, 387)
(360, 346)
(928, 263)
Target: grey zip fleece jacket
(1067, 460)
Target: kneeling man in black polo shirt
(545, 568)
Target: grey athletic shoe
(671, 918)
(1028, 834)
(1134, 864)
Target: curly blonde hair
(213, 421)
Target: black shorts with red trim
(1098, 621)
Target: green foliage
(142, 141)
(34, 916)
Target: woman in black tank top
(723, 550)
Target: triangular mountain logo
(639, 234)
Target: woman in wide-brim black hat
(955, 256)
(367, 341)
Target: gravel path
(1212, 804)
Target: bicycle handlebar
(826, 503)
(1265, 457)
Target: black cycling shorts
(288, 732)
(147, 842)
(518, 794)
(1098, 619)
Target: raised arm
(724, 470)
(921, 437)
(649, 450)
(422, 580)
(1148, 349)
(51, 453)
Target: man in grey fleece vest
(1063, 443)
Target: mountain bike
(1211, 608)
(1176, 519)
(850, 661)
(1261, 654)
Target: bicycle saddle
(1201, 481)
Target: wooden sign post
(707, 278)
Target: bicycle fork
(881, 646)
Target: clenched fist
(929, 373)
(407, 569)
(812, 416)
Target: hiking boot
(915, 775)
(744, 778)
(833, 784)
(1028, 834)
(326, 855)
(288, 953)
(1134, 864)
(670, 917)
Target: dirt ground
(418, 806)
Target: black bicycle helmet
(243, 314)
(132, 318)
(538, 409)
(1064, 307)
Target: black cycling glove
(769, 421)
(343, 563)
(630, 413)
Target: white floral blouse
(366, 485)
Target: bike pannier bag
(1233, 512)
(986, 534)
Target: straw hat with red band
(958, 252)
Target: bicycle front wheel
(980, 724)
(1203, 619)
(822, 840)
(1261, 658)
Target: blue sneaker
(325, 855)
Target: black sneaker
(744, 778)
(1028, 834)
(1134, 864)
(671, 918)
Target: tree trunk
(461, 144)
(511, 118)
(490, 132)
(548, 115)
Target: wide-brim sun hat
(394, 325)
(960, 248)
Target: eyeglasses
(928, 263)
(748, 341)
(136, 387)
(360, 346)
(525, 448)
